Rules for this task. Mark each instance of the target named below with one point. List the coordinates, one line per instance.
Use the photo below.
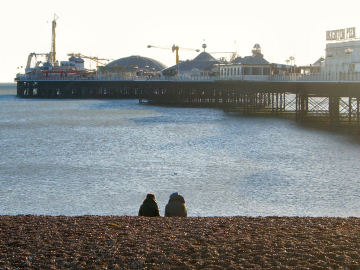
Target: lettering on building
(341, 34)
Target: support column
(350, 109)
(334, 111)
(296, 107)
(301, 106)
(255, 102)
(20, 89)
(358, 114)
(284, 102)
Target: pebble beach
(124, 242)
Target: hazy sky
(116, 28)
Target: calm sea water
(101, 157)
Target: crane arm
(88, 57)
(158, 47)
(74, 54)
(222, 52)
(29, 60)
(174, 48)
(94, 58)
(31, 55)
(196, 50)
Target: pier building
(202, 66)
(77, 62)
(314, 68)
(342, 54)
(132, 67)
(253, 67)
(342, 58)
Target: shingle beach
(121, 242)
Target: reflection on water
(76, 157)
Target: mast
(53, 40)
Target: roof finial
(257, 50)
(204, 46)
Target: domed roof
(136, 61)
(204, 56)
(203, 62)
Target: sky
(114, 29)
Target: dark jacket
(176, 207)
(149, 208)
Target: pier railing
(336, 77)
(318, 77)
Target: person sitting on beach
(149, 207)
(176, 206)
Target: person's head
(176, 197)
(174, 194)
(150, 196)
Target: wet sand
(113, 242)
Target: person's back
(149, 207)
(176, 206)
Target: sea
(101, 157)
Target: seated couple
(175, 207)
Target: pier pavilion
(203, 65)
(253, 67)
(342, 58)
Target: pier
(332, 103)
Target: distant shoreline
(8, 83)
(124, 242)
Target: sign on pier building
(341, 34)
(342, 53)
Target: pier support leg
(358, 115)
(334, 111)
(301, 106)
(350, 109)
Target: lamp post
(287, 63)
(292, 61)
